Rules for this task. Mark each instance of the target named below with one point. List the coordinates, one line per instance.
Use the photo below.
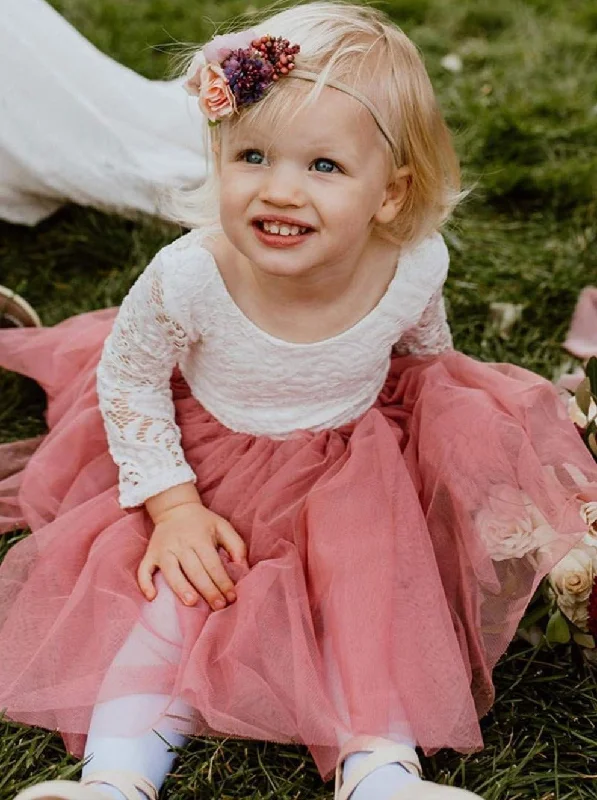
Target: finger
(177, 581)
(196, 571)
(231, 541)
(216, 572)
(145, 577)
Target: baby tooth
(273, 228)
(294, 230)
(284, 230)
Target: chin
(279, 262)
(282, 267)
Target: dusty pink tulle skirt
(401, 549)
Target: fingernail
(219, 604)
(231, 597)
(189, 598)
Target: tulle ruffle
(390, 560)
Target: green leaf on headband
(583, 396)
(557, 631)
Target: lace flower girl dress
(400, 502)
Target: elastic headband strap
(343, 87)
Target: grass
(524, 111)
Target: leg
(148, 753)
(386, 780)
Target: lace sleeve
(133, 384)
(431, 335)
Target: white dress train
(76, 125)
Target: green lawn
(524, 110)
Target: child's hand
(184, 547)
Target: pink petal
(220, 46)
(581, 340)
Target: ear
(394, 196)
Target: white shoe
(132, 786)
(426, 790)
(385, 751)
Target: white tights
(156, 638)
(149, 753)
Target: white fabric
(149, 754)
(153, 720)
(75, 125)
(179, 312)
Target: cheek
(227, 202)
(235, 196)
(229, 205)
(351, 211)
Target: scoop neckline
(284, 342)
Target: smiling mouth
(281, 228)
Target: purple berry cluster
(250, 72)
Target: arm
(431, 335)
(133, 384)
(148, 337)
(161, 504)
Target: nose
(282, 186)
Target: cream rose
(215, 98)
(208, 82)
(572, 582)
(511, 525)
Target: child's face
(327, 172)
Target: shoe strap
(381, 752)
(131, 784)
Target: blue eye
(325, 165)
(252, 156)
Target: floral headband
(238, 69)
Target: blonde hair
(360, 47)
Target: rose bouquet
(564, 608)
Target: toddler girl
(291, 511)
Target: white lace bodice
(179, 312)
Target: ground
(523, 107)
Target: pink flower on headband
(193, 81)
(208, 83)
(220, 47)
(215, 98)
